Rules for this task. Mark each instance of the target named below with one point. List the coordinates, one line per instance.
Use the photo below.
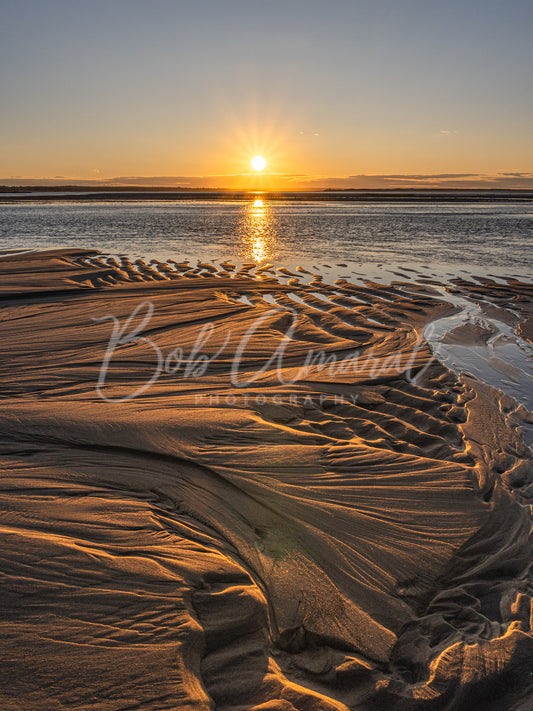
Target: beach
(243, 486)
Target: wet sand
(215, 527)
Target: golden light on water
(259, 225)
(257, 231)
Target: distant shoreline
(402, 195)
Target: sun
(258, 163)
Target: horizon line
(101, 187)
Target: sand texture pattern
(278, 536)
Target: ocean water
(469, 236)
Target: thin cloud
(297, 181)
(418, 176)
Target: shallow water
(504, 360)
(465, 236)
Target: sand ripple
(286, 539)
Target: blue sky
(324, 90)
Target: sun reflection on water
(257, 231)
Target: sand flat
(281, 535)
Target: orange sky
(188, 93)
